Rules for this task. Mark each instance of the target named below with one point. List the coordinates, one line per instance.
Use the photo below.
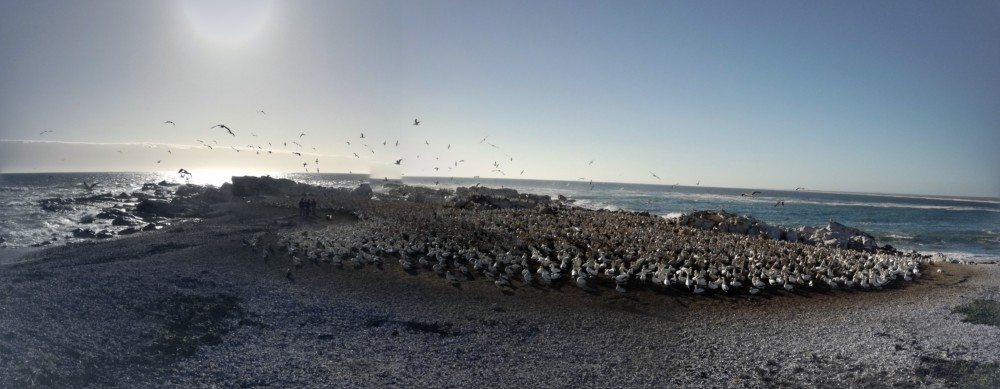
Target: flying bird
(399, 161)
(416, 122)
(184, 172)
(751, 194)
(89, 186)
(262, 112)
(590, 163)
(44, 132)
(362, 135)
(484, 139)
(356, 155)
(225, 127)
(654, 175)
(296, 143)
(297, 153)
(780, 202)
(170, 122)
(302, 134)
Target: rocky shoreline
(199, 304)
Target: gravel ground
(188, 306)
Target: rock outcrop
(834, 234)
(494, 198)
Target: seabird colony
(586, 248)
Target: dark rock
(161, 208)
(149, 186)
(87, 219)
(165, 183)
(208, 194)
(363, 190)
(82, 233)
(112, 213)
(123, 195)
(151, 227)
(57, 204)
(258, 186)
(126, 221)
(105, 234)
(128, 231)
(493, 198)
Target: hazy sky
(899, 96)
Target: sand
(189, 306)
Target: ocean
(962, 228)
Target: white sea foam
(967, 257)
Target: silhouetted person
(312, 207)
(303, 207)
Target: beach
(191, 305)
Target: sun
(228, 22)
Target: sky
(869, 96)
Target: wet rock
(105, 234)
(165, 183)
(126, 221)
(149, 186)
(87, 219)
(112, 213)
(123, 196)
(128, 231)
(161, 208)
(84, 233)
(57, 204)
(152, 227)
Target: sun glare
(228, 22)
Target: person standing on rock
(312, 207)
(303, 206)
